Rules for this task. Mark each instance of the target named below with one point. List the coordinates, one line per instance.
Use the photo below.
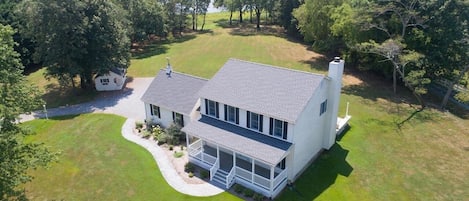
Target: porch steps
(220, 177)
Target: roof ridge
(187, 75)
(277, 67)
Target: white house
(172, 98)
(254, 124)
(113, 80)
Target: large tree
(78, 38)
(17, 97)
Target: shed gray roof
(278, 92)
(177, 92)
(241, 140)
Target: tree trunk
(231, 17)
(451, 86)
(258, 15)
(394, 79)
(193, 21)
(241, 15)
(203, 22)
(250, 15)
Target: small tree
(175, 134)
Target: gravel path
(127, 103)
(168, 172)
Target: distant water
(212, 9)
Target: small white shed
(113, 80)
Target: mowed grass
(202, 54)
(97, 163)
(426, 158)
(423, 159)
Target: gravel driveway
(125, 102)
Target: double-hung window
(178, 119)
(104, 81)
(254, 121)
(211, 108)
(232, 114)
(155, 111)
(278, 128)
(323, 108)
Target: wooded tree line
(413, 42)
(80, 38)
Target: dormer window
(278, 128)
(211, 108)
(254, 121)
(232, 114)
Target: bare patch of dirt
(349, 80)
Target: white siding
(308, 133)
(166, 117)
(116, 82)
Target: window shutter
(216, 109)
(159, 113)
(174, 119)
(237, 115)
(248, 122)
(206, 106)
(226, 113)
(151, 109)
(182, 120)
(285, 130)
(261, 119)
(271, 126)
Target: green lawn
(97, 163)
(424, 159)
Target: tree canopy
(17, 97)
(78, 38)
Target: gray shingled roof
(274, 91)
(177, 93)
(241, 140)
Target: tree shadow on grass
(320, 175)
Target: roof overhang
(241, 140)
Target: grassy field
(382, 156)
(97, 163)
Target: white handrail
(230, 178)
(214, 169)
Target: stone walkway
(127, 103)
(168, 172)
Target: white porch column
(218, 156)
(187, 141)
(234, 159)
(252, 170)
(272, 171)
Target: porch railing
(195, 147)
(230, 178)
(282, 176)
(214, 168)
(244, 174)
(262, 182)
(208, 158)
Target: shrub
(191, 174)
(157, 130)
(248, 192)
(138, 125)
(182, 147)
(162, 139)
(189, 167)
(178, 154)
(204, 174)
(176, 134)
(258, 197)
(238, 188)
(146, 134)
(171, 147)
